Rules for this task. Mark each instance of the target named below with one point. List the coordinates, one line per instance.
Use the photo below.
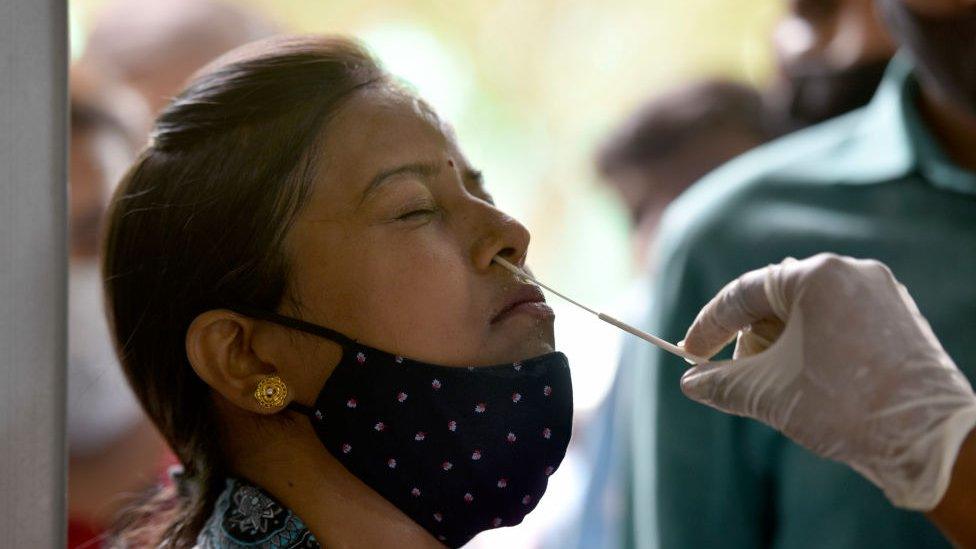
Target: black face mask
(814, 93)
(944, 49)
(459, 450)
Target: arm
(955, 515)
(834, 353)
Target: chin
(541, 349)
(521, 337)
(539, 342)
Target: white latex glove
(854, 372)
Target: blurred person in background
(896, 181)
(831, 56)
(671, 142)
(652, 157)
(113, 449)
(155, 45)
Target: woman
(298, 225)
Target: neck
(642, 239)
(336, 507)
(953, 127)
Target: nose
(497, 234)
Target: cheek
(411, 293)
(419, 290)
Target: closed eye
(415, 214)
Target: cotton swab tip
(515, 270)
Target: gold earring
(271, 392)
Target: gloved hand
(834, 353)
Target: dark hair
(198, 223)
(668, 123)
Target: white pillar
(33, 267)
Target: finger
(738, 305)
(716, 384)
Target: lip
(525, 299)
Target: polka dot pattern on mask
(459, 450)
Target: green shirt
(873, 183)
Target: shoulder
(711, 214)
(247, 516)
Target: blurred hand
(833, 352)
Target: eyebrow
(474, 176)
(423, 170)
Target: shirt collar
(930, 161)
(245, 516)
(891, 141)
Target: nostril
(511, 254)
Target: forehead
(380, 128)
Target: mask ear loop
(344, 341)
(307, 411)
(296, 324)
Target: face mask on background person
(943, 47)
(815, 93)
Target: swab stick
(669, 347)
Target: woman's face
(395, 246)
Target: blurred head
(294, 176)
(675, 139)
(941, 37)
(104, 119)
(155, 45)
(831, 56)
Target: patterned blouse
(246, 516)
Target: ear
(220, 347)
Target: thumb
(751, 386)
